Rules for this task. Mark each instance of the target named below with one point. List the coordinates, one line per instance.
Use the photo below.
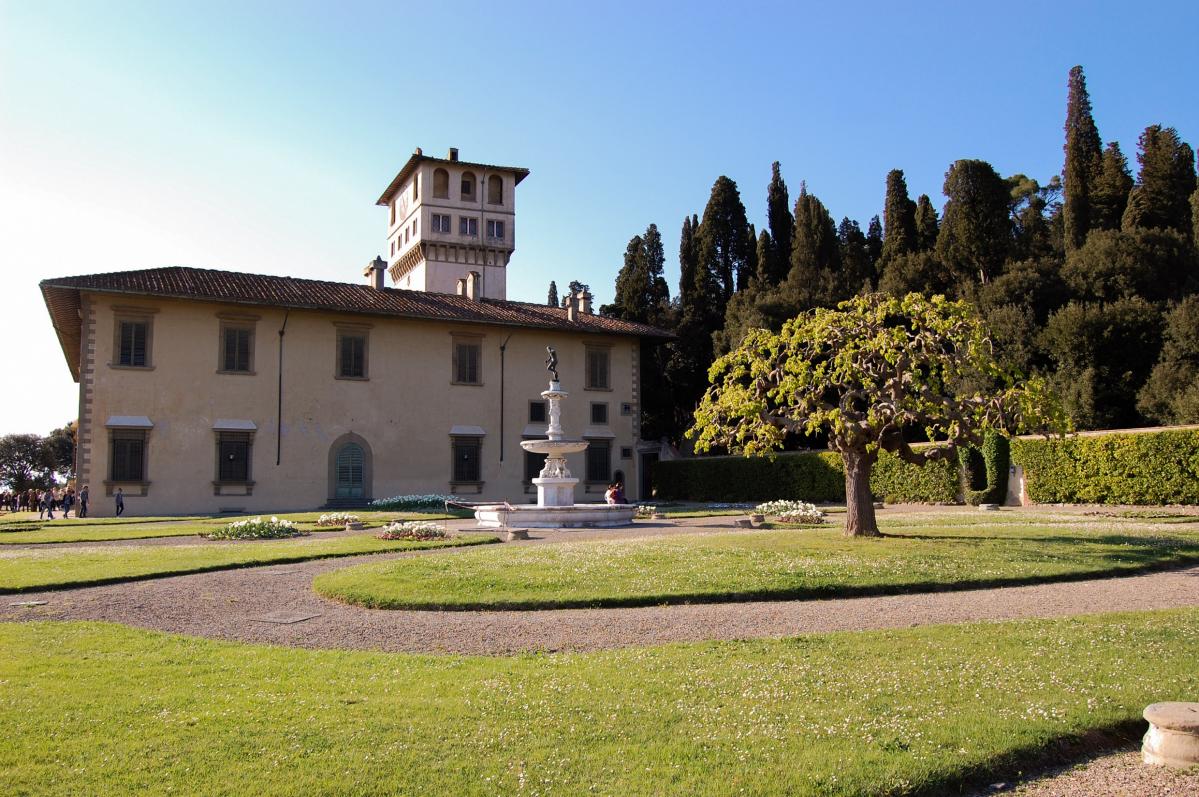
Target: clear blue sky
(257, 136)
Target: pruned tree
(552, 298)
(866, 374)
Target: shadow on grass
(1035, 761)
(828, 592)
(187, 571)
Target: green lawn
(752, 565)
(27, 570)
(98, 531)
(91, 708)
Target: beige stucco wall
(404, 411)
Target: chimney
(453, 153)
(374, 273)
(419, 151)
(585, 302)
(461, 286)
(474, 284)
(572, 307)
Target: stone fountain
(556, 507)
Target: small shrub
(337, 519)
(256, 529)
(776, 508)
(804, 513)
(646, 511)
(412, 530)
(419, 503)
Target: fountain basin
(574, 516)
(554, 447)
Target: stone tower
(451, 225)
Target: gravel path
(1118, 774)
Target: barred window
(599, 461)
(465, 454)
(233, 457)
(599, 413)
(536, 412)
(127, 456)
(533, 464)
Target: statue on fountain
(551, 362)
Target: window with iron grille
(599, 413)
(599, 461)
(533, 464)
(133, 344)
(467, 360)
(536, 412)
(597, 369)
(351, 355)
(233, 457)
(237, 349)
(465, 453)
(127, 455)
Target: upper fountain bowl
(553, 446)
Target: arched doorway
(350, 469)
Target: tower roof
(418, 158)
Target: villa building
(205, 391)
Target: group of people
(615, 494)
(46, 501)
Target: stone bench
(1173, 736)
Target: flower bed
(420, 503)
(792, 511)
(412, 530)
(644, 511)
(337, 519)
(256, 529)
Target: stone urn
(1173, 736)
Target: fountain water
(556, 507)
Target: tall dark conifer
(1161, 198)
(721, 241)
(1082, 160)
(899, 217)
(688, 258)
(926, 224)
(855, 258)
(750, 272)
(815, 254)
(874, 245)
(781, 222)
(975, 235)
(552, 299)
(1110, 194)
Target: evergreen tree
(552, 299)
(722, 242)
(1171, 395)
(1110, 194)
(688, 257)
(750, 272)
(778, 215)
(1032, 236)
(764, 250)
(1156, 265)
(1165, 182)
(1195, 217)
(1082, 160)
(815, 255)
(926, 224)
(855, 257)
(630, 281)
(975, 233)
(874, 245)
(899, 218)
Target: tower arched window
(441, 184)
(468, 186)
(495, 190)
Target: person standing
(120, 501)
(68, 501)
(48, 500)
(83, 498)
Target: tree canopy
(866, 374)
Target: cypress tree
(899, 217)
(815, 254)
(722, 242)
(975, 234)
(1195, 216)
(764, 250)
(631, 282)
(1110, 195)
(687, 255)
(874, 246)
(657, 291)
(1082, 160)
(855, 257)
(1164, 184)
(552, 299)
(750, 272)
(778, 215)
(926, 224)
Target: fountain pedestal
(556, 507)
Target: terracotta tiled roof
(231, 287)
(520, 171)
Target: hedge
(985, 470)
(1150, 468)
(817, 476)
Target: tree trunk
(859, 503)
